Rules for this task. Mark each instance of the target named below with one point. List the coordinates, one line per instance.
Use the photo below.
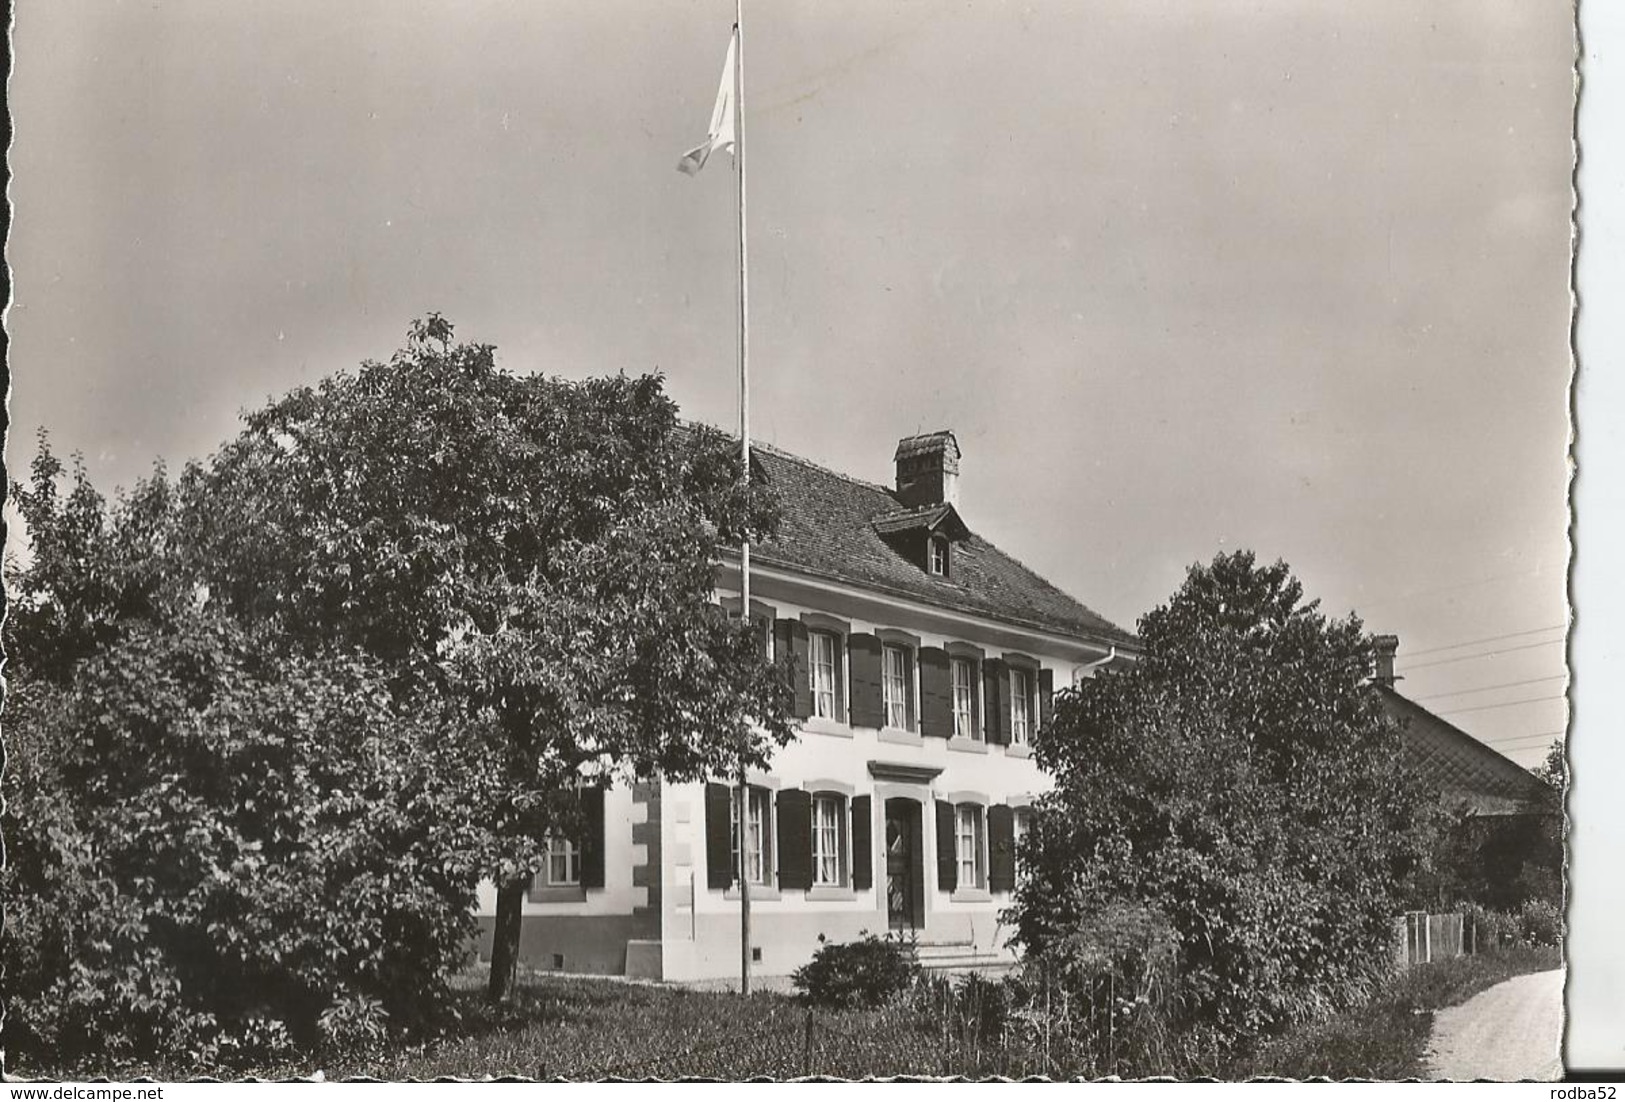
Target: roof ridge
(780, 453)
(775, 450)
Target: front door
(902, 851)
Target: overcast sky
(1182, 277)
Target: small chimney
(1387, 646)
(928, 469)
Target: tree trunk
(505, 941)
(511, 894)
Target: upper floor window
(825, 667)
(761, 632)
(758, 842)
(894, 682)
(828, 840)
(964, 675)
(937, 555)
(970, 846)
(1021, 707)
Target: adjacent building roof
(832, 526)
(1465, 771)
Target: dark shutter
(795, 838)
(868, 705)
(592, 836)
(936, 693)
(863, 856)
(791, 636)
(839, 652)
(996, 700)
(1001, 848)
(1046, 697)
(947, 858)
(719, 859)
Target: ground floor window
(563, 867)
(829, 840)
(969, 839)
(1021, 822)
(759, 843)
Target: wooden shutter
(592, 836)
(1001, 848)
(863, 846)
(795, 838)
(996, 700)
(791, 636)
(936, 693)
(1046, 697)
(719, 859)
(867, 703)
(838, 649)
(947, 853)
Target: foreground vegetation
(269, 723)
(1388, 1037)
(587, 1028)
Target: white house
(926, 660)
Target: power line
(1486, 639)
(1521, 738)
(1484, 654)
(1507, 704)
(1543, 734)
(1492, 688)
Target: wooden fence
(1420, 938)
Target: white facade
(897, 805)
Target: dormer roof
(928, 519)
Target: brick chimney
(1387, 646)
(928, 469)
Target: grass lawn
(1387, 1038)
(577, 1027)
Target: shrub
(1540, 923)
(1109, 987)
(868, 972)
(219, 851)
(1534, 924)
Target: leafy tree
(539, 551)
(212, 842)
(1242, 781)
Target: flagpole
(744, 450)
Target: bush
(1535, 924)
(868, 972)
(220, 851)
(1109, 988)
(1540, 923)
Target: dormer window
(937, 556)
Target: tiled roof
(1464, 770)
(828, 528)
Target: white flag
(720, 135)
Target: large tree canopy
(1242, 780)
(271, 722)
(540, 550)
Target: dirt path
(1512, 1031)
